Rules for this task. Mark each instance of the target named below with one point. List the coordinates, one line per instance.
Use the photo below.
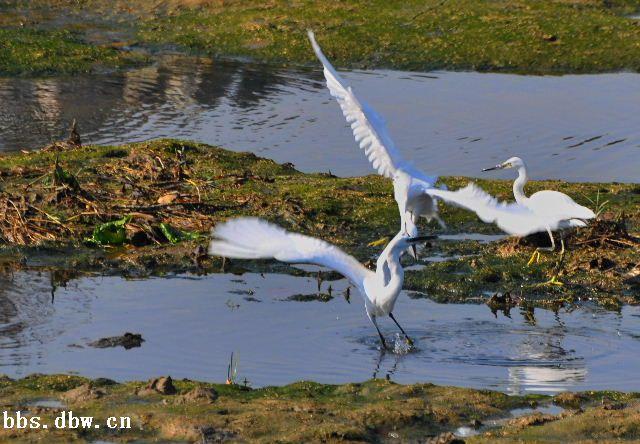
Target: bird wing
(251, 238)
(512, 218)
(369, 128)
(555, 205)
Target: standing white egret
(369, 129)
(544, 211)
(251, 238)
(554, 206)
(519, 218)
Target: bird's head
(513, 162)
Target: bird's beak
(414, 251)
(415, 240)
(497, 167)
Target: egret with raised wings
(251, 238)
(370, 131)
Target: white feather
(365, 122)
(251, 238)
(513, 218)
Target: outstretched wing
(369, 128)
(251, 238)
(512, 218)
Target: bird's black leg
(375, 323)
(409, 340)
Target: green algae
(525, 36)
(521, 36)
(26, 51)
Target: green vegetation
(37, 52)
(371, 411)
(161, 198)
(300, 412)
(527, 36)
(517, 36)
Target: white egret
(553, 206)
(544, 211)
(410, 185)
(251, 238)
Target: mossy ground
(592, 417)
(371, 411)
(25, 51)
(527, 36)
(300, 412)
(191, 187)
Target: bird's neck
(390, 259)
(518, 185)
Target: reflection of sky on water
(448, 123)
(544, 379)
(192, 324)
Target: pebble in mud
(200, 394)
(85, 392)
(163, 385)
(127, 340)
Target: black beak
(415, 251)
(415, 240)
(497, 167)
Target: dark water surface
(578, 128)
(192, 324)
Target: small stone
(200, 394)
(127, 340)
(163, 385)
(85, 392)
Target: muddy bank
(146, 208)
(372, 411)
(568, 36)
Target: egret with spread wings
(410, 185)
(251, 238)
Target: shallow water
(192, 324)
(566, 127)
